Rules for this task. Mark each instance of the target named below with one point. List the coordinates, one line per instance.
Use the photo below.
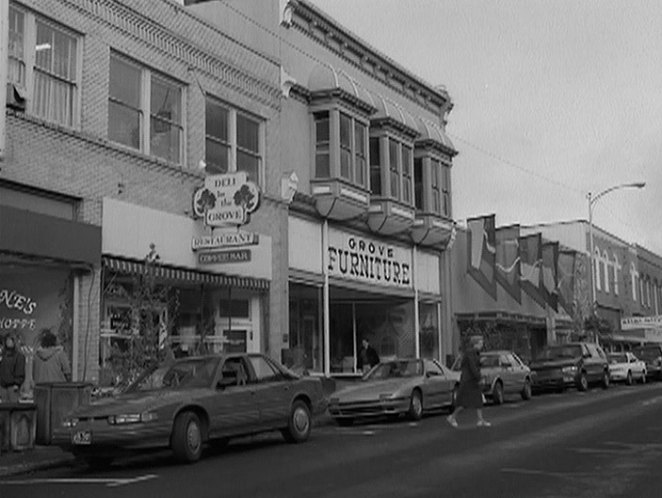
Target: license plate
(82, 437)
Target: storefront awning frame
(186, 275)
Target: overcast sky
(553, 99)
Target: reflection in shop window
(429, 330)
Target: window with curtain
(322, 145)
(232, 140)
(435, 173)
(45, 53)
(153, 125)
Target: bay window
(145, 110)
(44, 66)
(233, 141)
(341, 146)
(396, 165)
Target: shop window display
(305, 352)
(33, 298)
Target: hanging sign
(226, 200)
(233, 238)
(211, 258)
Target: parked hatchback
(576, 364)
(652, 355)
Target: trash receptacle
(54, 401)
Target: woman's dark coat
(469, 394)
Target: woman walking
(469, 394)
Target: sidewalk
(38, 458)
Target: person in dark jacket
(12, 371)
(50, 361)
(368, 356)
(469, 394)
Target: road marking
(565, 475)
(109, 481)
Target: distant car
(626, 367)
(402, 386)
(192, 401)
(652, 356)
(503, 373)
(576, 364)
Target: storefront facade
(46, 260)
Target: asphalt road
(595, 444)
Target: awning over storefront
(187, 275)
(39, 235)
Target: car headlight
(385, 396)
(132, 418)
(569, 370)
(70, 422)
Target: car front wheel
(497, 393)
(187, 437)
(582, 383)
(299, 423)
(416, 406)
(526, 390)
(605, 379)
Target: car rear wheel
(582, 383)
(187, 438)
(643, 377)
(628, 378)
(416, 405)
(299, 423)
(497, 393)
(526, 390)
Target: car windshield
(195, 372)
(394, 369)
(647, 353)
(618, 358)
(560, 352)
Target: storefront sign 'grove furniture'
(226, 200)
(368, 260)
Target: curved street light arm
(594, 199)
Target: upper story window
(432, 184)
(233, 141)
(396, 165)
(145, 110)
(348, 157)
(43, 63)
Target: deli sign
(226, 200)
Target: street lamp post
(592, 199)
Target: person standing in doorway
(12, 371)
(368, 356)
(469, 394)
(50, 361)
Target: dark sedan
(190, 402)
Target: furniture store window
(43, 67)
(348, 158)
(145, 110)
(233, 141)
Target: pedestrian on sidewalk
(12, 371)
(469, 394)
(50, 361)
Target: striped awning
(186, 275)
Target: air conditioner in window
(16, 96)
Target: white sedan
(626, 367)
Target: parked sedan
(190, 402)
(403, 386)
(626, 367)
(652, 355)
(503, 373)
